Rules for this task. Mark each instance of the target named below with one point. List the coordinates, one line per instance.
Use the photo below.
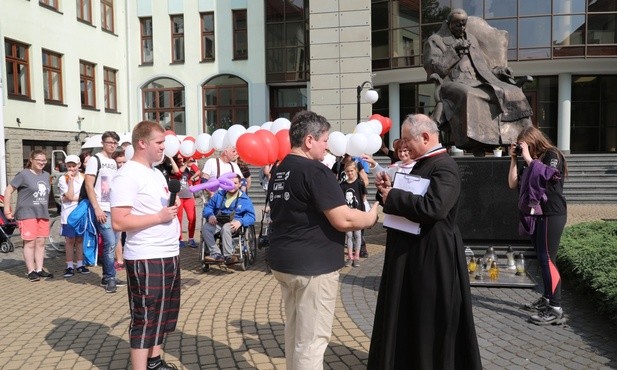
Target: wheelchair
(245, 249)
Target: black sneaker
(44, 274)
(536, 306)
(549, 316)
(33, 276)
(363, 254)
(69, 272)
(111, 287)
(83, 270)
(165, 366)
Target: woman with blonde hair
(543, 211)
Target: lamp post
(371, 96)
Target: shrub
(588, 254)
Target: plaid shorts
(154, 299)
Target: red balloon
(251, 149)
(206, 155)
(386, 125)
(189, 138)
(169, 132)
(284, 146)
(197, 155)
(271, 145)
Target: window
(240, 34)
(49, 3)
(147, 47)
(84, 11)
(109, 79)
(107, 15)
(286, 101)
(225, 102)
(164, 102)
(287, 43)
(177, 39)
(17, 69)
(52, 76)
(207, 36)
(87, 84)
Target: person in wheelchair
(226, 212)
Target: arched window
(225, 102)
(164, 102)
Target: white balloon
(203, 143)
(266, 125)
(233, 133)
(129, 151)
(217, 138)
(337, 143)
(187, 148)
(356, 146)
(280, 124)
(364, 128)
(172, 144)
(253, 129)
(373, 143)
(376, 126)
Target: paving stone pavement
(234, 319)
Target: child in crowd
(355, 194)
(188, 174)
(69, 186)
(120, 157)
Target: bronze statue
(479, 103)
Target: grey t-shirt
(32, 194)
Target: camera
(518, 150)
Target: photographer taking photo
(543, 213)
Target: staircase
(592, 178)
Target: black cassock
(423, 318)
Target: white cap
(72, 159)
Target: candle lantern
(510, 256)
(489, 257)
(520, 264)
(479, 269)
(493, 271)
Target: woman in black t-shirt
(533, 146)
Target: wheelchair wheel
(205, 267)
(251, 245)
(5, 247)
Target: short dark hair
(118, 153)
(111, 134)
(307, 123)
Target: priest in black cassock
(423, 318)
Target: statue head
(457, 21)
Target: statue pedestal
(487, 211)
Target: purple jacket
(532, 193)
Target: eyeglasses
(111, 142)
(41, 160)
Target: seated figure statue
(478, 99)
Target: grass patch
(588, 255)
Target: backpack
(82, 192)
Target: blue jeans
(109, 247)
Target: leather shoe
(231, 260)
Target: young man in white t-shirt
(139, 206)
(98, 188)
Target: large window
(241, 43)
(84, 10)
(111, 88)
(147, 46)
(163, 102)
(207, 36)
(225, 102)
(52, 76)
(87, 84)
(17, 69)
(287, 43)
(107, 15)
(177, 38)
(287, 101)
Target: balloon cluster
(224, 182)
(366, 138)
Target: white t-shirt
(329, 160)
(106, 174)
(145, 190)
(210, 168)
(67, 205)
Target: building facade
(76, 68)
